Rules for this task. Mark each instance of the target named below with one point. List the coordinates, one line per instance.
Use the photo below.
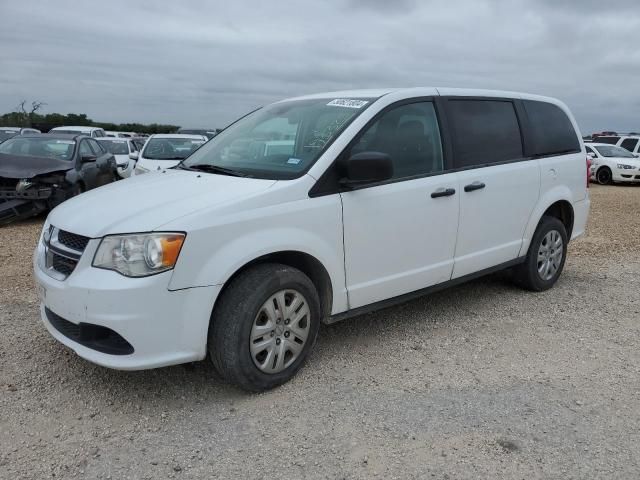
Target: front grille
(62, 264)
(63, 251)
(73, 240)
(96, 337)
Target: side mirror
(133, 156)
(592, 155)
(366, 167)
(88, 158)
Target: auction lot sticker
(347, 102)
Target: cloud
(204, 64)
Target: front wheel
(264, 326)
(546, 256)
(604, 176)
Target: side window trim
(327, 184)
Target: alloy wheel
(280, 331)
(550, 255)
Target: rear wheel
(264, 326)
(604, 176)
(546, 256)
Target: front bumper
(626, 175)
(164, 327)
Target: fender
(557, 193)
(211, 256)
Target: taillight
(588, 170)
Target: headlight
(625, 167)
(139, 255)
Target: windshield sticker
(66, 142)
(346, 102)
(293, 161)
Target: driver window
(409, 134)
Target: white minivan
(371, 198)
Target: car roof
(178, 135)
(61, 136)
(422, 91)
(79, 128)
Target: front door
(400, 236)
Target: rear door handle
(474, 186)
(443, 192)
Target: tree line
(29, 116)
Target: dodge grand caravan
(370, 198)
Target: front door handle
(474, 186)
(443, 192)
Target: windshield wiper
(205, 167)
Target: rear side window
(484, 132)
(629, 144)
(609, 140)
(552, 131)
(96, 147)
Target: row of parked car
(39, 171)
(615, 158)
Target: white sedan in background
(121, 148)
(612, 164)
(165, 151)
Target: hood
(16, 166)
(145, 202)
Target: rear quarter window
(551, 129)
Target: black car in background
(38, 172)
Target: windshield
(39, 147)
(170, 148)
(613, 151)
(4, 134)
(279, 141)
(117, 147)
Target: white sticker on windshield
(347, 102)
(66, 142)
(294, 161)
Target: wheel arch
(556, 203)
(305, 262)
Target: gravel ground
(481, 381)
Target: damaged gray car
(38, 172)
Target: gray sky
(206, 63)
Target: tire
(246, 309)
(604, 176)
(527, 274)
